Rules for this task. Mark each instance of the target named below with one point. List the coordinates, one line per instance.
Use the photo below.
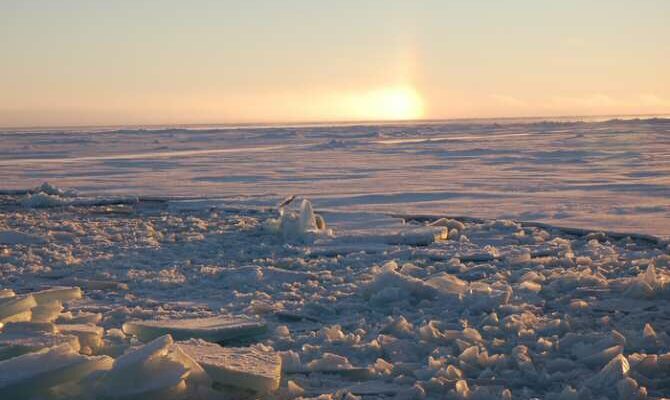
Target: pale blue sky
(72, 62)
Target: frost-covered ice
(249, 368)
(479, 309)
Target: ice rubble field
(343, 305)
(601, 174)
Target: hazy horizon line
(308, 123)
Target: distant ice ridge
(47, 196)
(349, 169)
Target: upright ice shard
(145, 373)
(90, 336)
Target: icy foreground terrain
(353, 304)
(606, 175)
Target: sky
(89, 62)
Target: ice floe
(247, 368)
(213, 329)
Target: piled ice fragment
(298, 225)
(484, 310)
(38, 373)
(41, 359)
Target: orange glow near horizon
(145, 63)
(389, 103)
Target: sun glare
(393, 103)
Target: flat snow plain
(603, 174)
(376, 306)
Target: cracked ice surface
(379, 308)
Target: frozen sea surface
(612, 175)
(378, 308)
(174, 224)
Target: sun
(390, 103)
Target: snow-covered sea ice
(182, 301)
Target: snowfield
(605, 175)
(126, 298)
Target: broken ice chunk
(20, 317)
(611, 373)
(27, 327)
(247, 368)
(292, 390)
(43, 200)
(145, 372)
(301, 225)
(600, 358)
(290, 361)
(213, 329)
(422, 236)
(47, 312)
(333, 363)
(531, 286)
(449, 223)
(140, 354)
(90, 336)
(648, 333)
(389, 285)
(79, 317)
(32, 374)
(448, 284)
(648, 284)
(14, 344)
(462, 389)
(53, 190)
(114, 343)
(11, 306)
(628, 388)
(197, 375)
(308, 221)
(61, 294)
